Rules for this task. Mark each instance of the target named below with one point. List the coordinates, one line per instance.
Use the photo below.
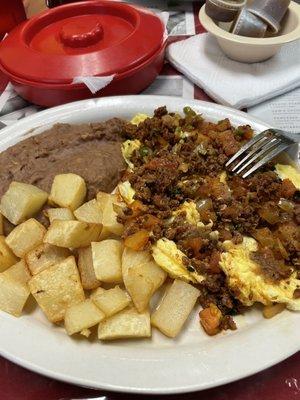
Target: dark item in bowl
(92, 151)
(270, 11)
(247, 24)
(223, 10)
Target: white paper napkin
(233, 83)
(94, 83)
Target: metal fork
(261, 149)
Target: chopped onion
(204, 204)
(200, 149)
(286, 205)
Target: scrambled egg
(138, 118)
(248, 285)
(128, 147)
(288, 172)
(126, 191)
(192, 214)
(170, 258)
(223, 177)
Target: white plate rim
(285, 342)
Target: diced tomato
(137, 241)
(195, 244)
(228, 142)
(210, 319)
(150, 221)
(161, 163)
(287, 189)
(214, 262)
(137, 208)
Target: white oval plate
(193, 361)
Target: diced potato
(22, 201)
(131, 258)
(85, 332)
(141, 281)
(110, 301)
(1, 225)
(68, 190)
(44, 256)
(127, 323)
(109, 216)
(26, 237)
(13, 295)
(7, 257)
(63, 214)
(89, 212)
(175, 308)
(18, 272)
(86, 269)
(72, 234)
(57, 288)
(82, 316)
(107, 260)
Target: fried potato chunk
(131, 258)
(86, 269)
(82, 316)
(141, 281)
(68, 190)
(25, 237)
(63, 214)
(22, 201)
(72, 234)
(110, 301)
(7, 257)
(13, 295)
(89, 212)
(175, 308)
(57, 288)
(18, 272)
(107, 260)
(109, 216)
(45, 255)
(128, 323)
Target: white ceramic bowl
(250, 50)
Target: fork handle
(295, 137)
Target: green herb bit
(175, 190)
(188, 111)
(144, 151)
(239, 132)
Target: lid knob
(80, 34)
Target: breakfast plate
(193, 361)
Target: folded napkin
(233, 83)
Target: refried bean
(92, 151)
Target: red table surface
(281, 382)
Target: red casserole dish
(93, 38)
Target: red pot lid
(91, 38)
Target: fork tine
(251, 142)
(269, 146)
(261, 146)
(266, 159)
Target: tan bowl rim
(214, 29)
